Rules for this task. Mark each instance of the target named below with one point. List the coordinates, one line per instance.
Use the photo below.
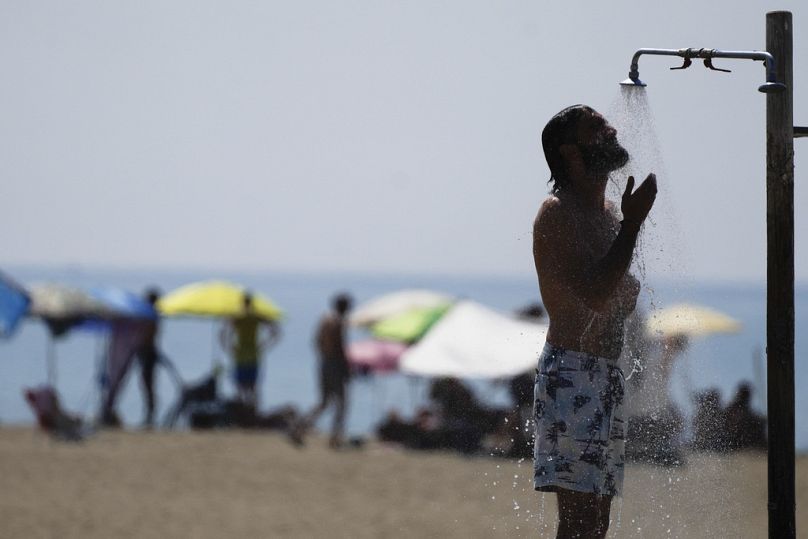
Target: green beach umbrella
(410, 325)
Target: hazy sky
(375, 135)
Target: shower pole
(780, 279)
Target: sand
(249, 484)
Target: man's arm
(273, 334)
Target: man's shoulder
(553, 212)
(328, 319)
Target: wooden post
(780, 280)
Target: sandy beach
(249, 484)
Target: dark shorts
(580, 431)
(246, 375)
(333, 377)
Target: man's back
(245, 341)
(330, 337)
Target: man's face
(597, 140)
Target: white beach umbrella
(473, 341)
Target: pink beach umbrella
(375, 356)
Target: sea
(288, 375)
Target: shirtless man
(582, 252)
(334, 371)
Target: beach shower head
(633, 82)
(770, 86)
(633, 76)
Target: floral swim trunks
(580, 432)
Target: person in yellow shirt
(243, 338)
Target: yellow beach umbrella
(689, 320)
(215, 299)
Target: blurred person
(243, 338)
(126, 338)
(149, 356)
(334, 370)
(745, 429)
(708, 421)
(582, 253)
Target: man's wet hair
(248, 298)
(561, 129)
(342, 302)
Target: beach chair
(50, 416)
(200, 399)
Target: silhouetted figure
(149, 356)
(532, 311)
(520, 420)
(423, 432)
(455, 420)
(334, 371)
(242, 337)
(582, 251)
(709, 423)
(463, 421)
(745, 429)
(126, 338)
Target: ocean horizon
(289, 370)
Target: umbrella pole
(51, 362)
(376, 397)
(413, 383)
(213, 343)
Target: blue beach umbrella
(122, 304)
(13, 305)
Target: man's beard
(604, 157)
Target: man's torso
(573, 325)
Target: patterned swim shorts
(580, 432)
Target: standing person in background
(242, 337)
(334, 371)
(149, 355)
(582, 253)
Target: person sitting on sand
(582, 252)
(241, 335)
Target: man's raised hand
(635, 206)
